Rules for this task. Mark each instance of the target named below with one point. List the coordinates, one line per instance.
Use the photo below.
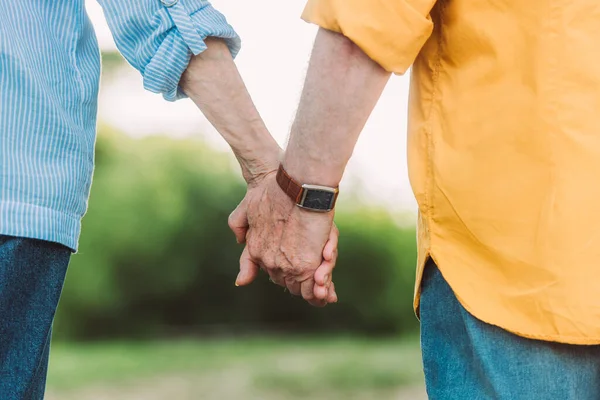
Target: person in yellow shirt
(504, 160)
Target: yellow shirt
(504, 149)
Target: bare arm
(213, 82)
(342, 87)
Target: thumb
(238, 222)
(248, 269)
(323, 274)
(330, 250)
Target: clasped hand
(297, 248)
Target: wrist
(312, 170)
(259, 160)
(312, 162)
(313, 217)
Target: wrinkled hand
(297, 248)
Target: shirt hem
(36, 222)
(546, 338)
(564, 339)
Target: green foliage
(157, 258)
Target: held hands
(297, 248)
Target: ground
(248, 369)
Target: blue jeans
(467, 359)
(32, 273)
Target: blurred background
(150, 310)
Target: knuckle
(295, 270)
(302, 272)
(231, 220)
(253, 250)
(308, 297)
(250, 244)
(272, 267)
(271, 258)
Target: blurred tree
(157, 258)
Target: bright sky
(273, 60)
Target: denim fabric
(467, 359)
(32, 273)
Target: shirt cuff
(391, 32)
(194, 20)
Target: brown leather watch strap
(289, 185)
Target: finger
(238, 222)
(293, 287)
(323, 273)
(331, 246)
(332, 295)
(307, 290)
(276, 277)
(321, 292)
(248, 269)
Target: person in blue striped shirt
(49, 78)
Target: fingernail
(326, 278)
(236, 284)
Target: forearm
(213, 82)
(342, 87)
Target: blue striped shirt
(49, 77)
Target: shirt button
(169, 3)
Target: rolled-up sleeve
(159, 37)
(391, 32)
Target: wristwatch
(311, 197)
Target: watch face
(318, 199)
